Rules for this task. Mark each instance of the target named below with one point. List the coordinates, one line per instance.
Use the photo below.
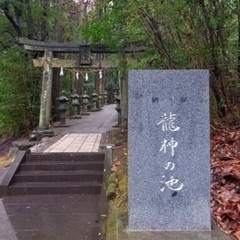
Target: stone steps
(58, 173)
(69, 157)
(28, 188)
(61, 166)
(58, 176)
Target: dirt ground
(225, 188)
(5, 145)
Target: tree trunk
(238, 68)
(124, 90)
(216, 84)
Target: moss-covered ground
(118, 181)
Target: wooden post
(101, 89)
(78, 84)
(55, 91)
(98, 81)
(46, 94)
(96, 76)
(79, 87)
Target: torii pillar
(46, 94)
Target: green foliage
(110, 25)
(177, 34)
(38, 19)
(181, 34)
(18, 99)
(89, 85)
(112, 79)
(20, 84)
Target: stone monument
(169, 153)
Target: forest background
(178, 34)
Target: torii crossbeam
(84, 61)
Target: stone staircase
(58, 173)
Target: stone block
(169, 151)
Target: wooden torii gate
(84, 61)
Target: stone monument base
(61, 125)
(39, 134)
(124, 234)
(75, 117)
(95, 110)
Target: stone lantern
(94, 100)
(118, 109)
(115, 94)
(62, 107)
(75, 104)
(105, 97)
(85, 102)
(100, 99)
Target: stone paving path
(60, 217)
(6, 230)
(76, 143)
(50, 217)
(96, 122)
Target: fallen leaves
(225, 187)
(5, 144)
(5, 161)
